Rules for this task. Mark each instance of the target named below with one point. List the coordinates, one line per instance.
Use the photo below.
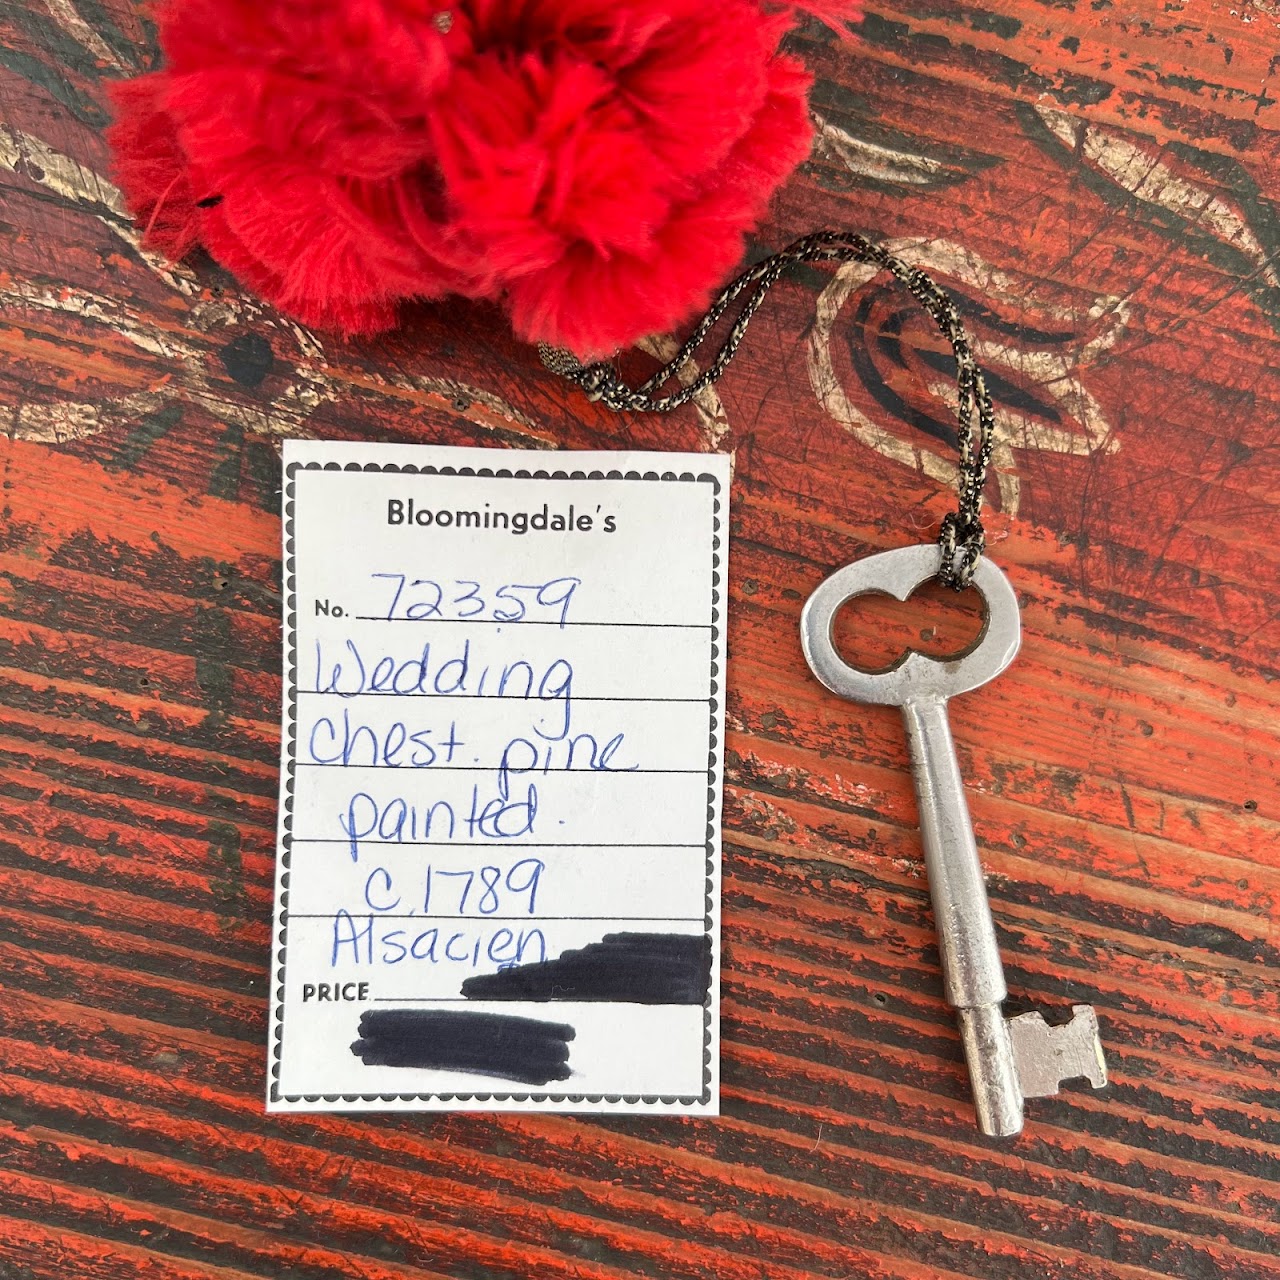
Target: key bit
(1009, 1059)
(1048, 1056)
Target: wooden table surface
(1093, 180)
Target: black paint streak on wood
(262, 466)
(150, 429)
(885, 395)
(625, 968)
(224, 476)
(1238, 267)
(488, 1044)
(158, 567)
(66, 54)
(101, 17)
(57, 86)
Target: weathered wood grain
(1097, 186)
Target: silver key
(1009, 1059)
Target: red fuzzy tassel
(592, 164)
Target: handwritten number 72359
(460, 599)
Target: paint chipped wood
(1096, 186)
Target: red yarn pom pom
(593, 164)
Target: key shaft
(970, 954)
(972, 975)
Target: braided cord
(962, 538)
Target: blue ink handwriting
(370, 940)
(462, 599)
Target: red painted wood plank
(1109, 176)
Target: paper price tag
(499, 850)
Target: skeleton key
(1009, 1059)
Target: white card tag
(498, 878)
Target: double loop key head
(914, 677)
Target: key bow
(915, 676)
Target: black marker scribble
(487, 1044)
(626, 968)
